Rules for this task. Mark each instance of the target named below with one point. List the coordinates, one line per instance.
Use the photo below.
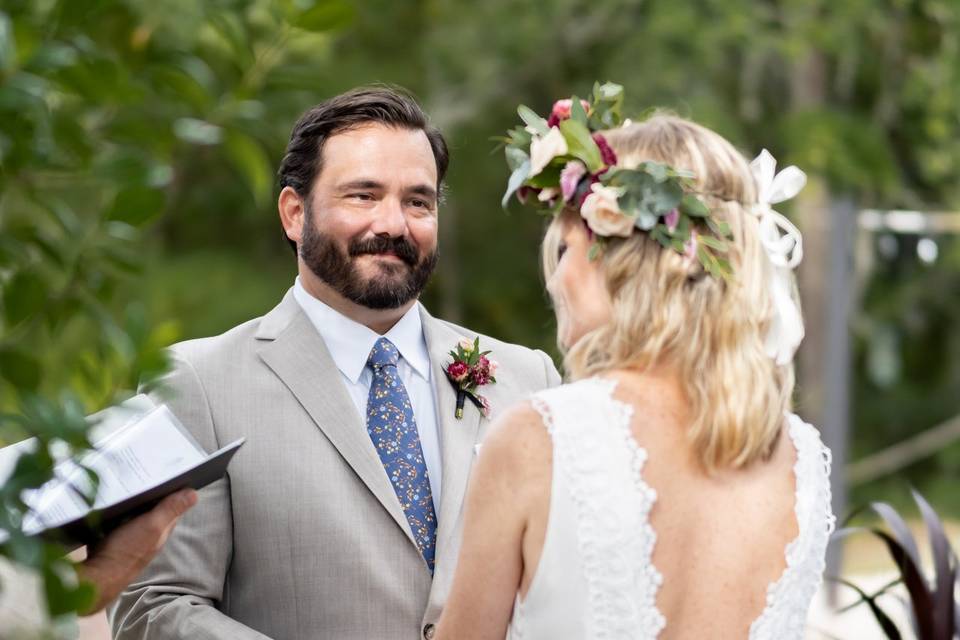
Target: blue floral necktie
(393, 429)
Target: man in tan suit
(341, 516)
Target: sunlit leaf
(325, 15)
(137, 205)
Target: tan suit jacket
(305, 538)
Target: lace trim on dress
(789, 598)
(615, 537)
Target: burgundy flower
(458, 371)
(480, 377)
(606, 153)
(525, 192)
(584, 189)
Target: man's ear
(291, 208)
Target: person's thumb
(171, 508)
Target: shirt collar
(350, 342)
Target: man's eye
(362, 196)
(423, 204)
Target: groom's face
(370, 224)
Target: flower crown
(564, 160)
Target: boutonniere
(470, 370)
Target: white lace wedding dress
(595, 579)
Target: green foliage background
(139, 140)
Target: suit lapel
(457, 437)
(296, 353)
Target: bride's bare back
(720, 538)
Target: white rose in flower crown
(545, 149)
(602, 212)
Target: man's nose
(389, 219)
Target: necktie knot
(383, 354)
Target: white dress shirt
(350, 343)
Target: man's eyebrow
(424, 190)
(362, 183)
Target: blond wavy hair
(668, 310)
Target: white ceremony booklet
(141, 453)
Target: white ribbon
(784, 246)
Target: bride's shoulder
(516, 443)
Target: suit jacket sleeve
(178, 594)
(552, 375)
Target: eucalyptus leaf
(692, 206)
(515, 157)
(516, 180)
(534, 121)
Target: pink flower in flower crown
(690, 247)
(561, 110)
(458, 371)
(607, 154)
(672, 219)
(570, 178)
(602, 212)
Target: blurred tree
(109, 109)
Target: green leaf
(23, 296)
(693, 206)
(516, 179)
(20, 369)
(519, 137)
(594, 252)
(249, 158)
(197, 131)
(325, 15)
(515, 157)
(8, 48)
(581, 145)
(713, 243)
(137, 205)
(530, 117)
(549, 177)
(659, 172)
(576, 111)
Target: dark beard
(394, 289)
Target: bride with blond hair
(665, 491)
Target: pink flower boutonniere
(470, 370)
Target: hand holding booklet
(145, 455)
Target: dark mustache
(400, 247)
